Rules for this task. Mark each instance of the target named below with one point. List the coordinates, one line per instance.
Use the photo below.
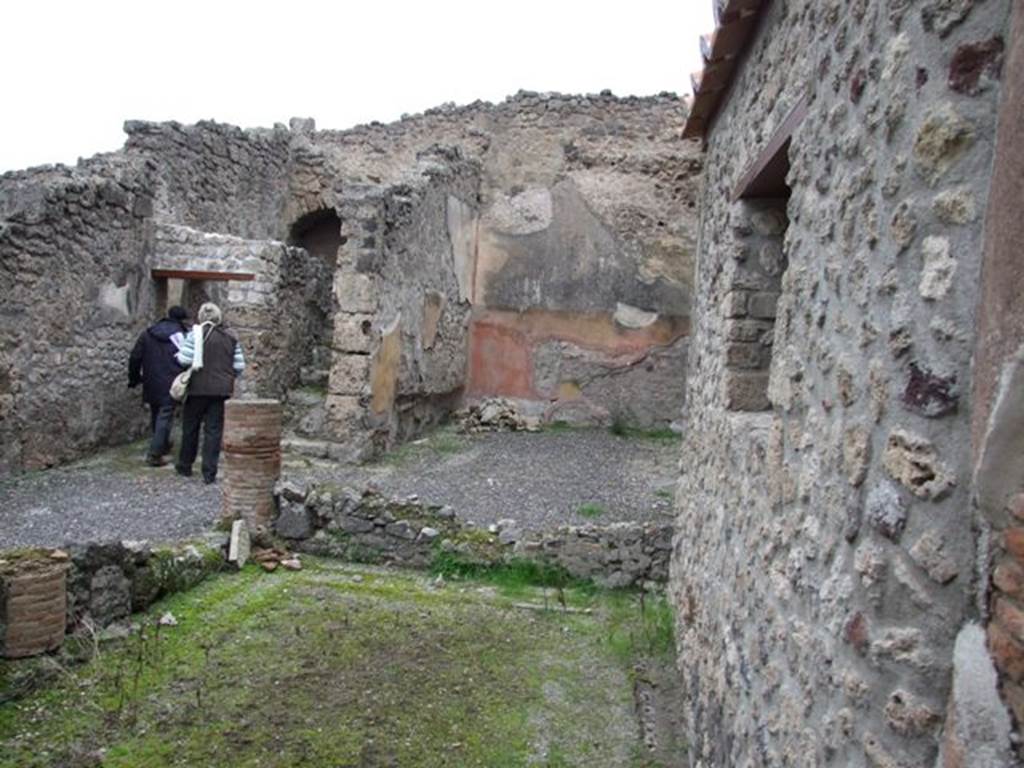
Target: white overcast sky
(74, 71)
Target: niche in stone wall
(759, 231)
(319, 233)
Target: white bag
(179, 387)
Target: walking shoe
(155, 461)
(209, 480)
(182, 471)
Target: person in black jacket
(153, 364)
(216, 358)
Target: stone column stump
(33, 603)
(252, 460)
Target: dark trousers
(208, 412)
(161, 419)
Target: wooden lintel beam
(197, 274)
(778, 140)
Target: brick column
(252, 460)
(33, 604)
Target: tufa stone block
(352, 333)
(746, 391)
(763, 305)
(735, 304)
(913, 461)
(344, 413)
(355, 292)
(942, 139)
(744, 356)
(349, 374)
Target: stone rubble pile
(495, 414)
(270, 559)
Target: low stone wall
(367, 527)
(43, 592)
(109, 581)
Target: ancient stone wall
(76, 292)
(217, 178)
(825, 551)
(108, 581)
(278, 315)
(368, 527)
(548, 231)
(578, 259)
(399, 335)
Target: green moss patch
(440, 442)
(344, 666)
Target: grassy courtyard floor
(344, 666)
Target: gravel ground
(538, 479)
(111, 496)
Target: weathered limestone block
(344, 413)
(353, 333)
(746, 391)
(239, 543)
(914, 462)
(977, 730)
(938, 268)
(350, 375)
(856, 454)
(942, 139)
(355, 292)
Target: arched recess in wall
(319, 233)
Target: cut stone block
(355, 292)
(349, 374)
(353, 333)
(746, 391)
(240, 546)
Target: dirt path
(539, 480)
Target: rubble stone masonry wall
(76, 292)
(550, 230)
(824, 567)
(577, 255)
